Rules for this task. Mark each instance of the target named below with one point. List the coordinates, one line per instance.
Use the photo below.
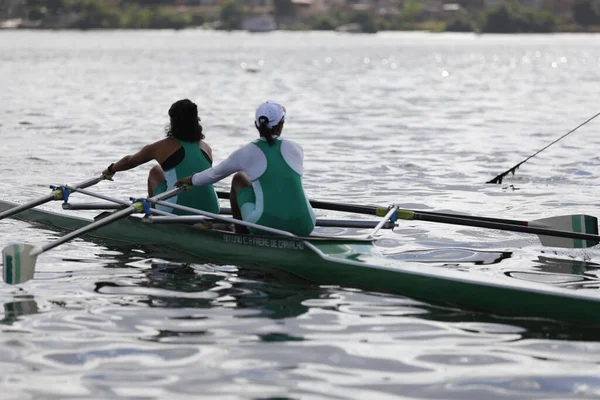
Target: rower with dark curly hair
(182, 153)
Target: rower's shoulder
(246, 152)
(290, 144)
(164, 142)
(205, 146)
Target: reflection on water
(24, 305)
(452, 256)
(154, 327)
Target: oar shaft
(479, 222)
(23, 207)
(329, 223)
(92, 206)
(118, 201)
(101, 196)
(95, 225)
(411, 215)
(136, 207)
(55, 195)
(352, 208)
(324, 205)
(222, 218)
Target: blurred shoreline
(308, 15)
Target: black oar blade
(498, 179)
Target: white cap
(274, 112)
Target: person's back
(180, 154)
(185, 161)
(267, 188)
(280, 190)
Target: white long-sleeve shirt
(251, 160)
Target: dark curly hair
(185, 123)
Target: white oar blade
(571, 223)
(19, 264)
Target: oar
(57, 194)
(569, 223)
(371, 210)
(20, 258)
(562, 222)
(570, 231)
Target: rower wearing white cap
(267, 188)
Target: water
(417, 119)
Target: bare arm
(204, 146)
(147, 153)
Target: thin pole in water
(498, 179)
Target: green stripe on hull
(591, 226)
(8, 269)
(576, 222)
(17, 264)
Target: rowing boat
(340, 261)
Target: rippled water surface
(417, 119)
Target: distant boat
(259, 23)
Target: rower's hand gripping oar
(58, 193)
(569, 231)
(20, 258)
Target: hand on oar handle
(107, 176)
(108, 173)
(187, 181)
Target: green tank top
(200, 197)
(285, 205)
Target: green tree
(500, 20)
(365, 20)
(412, 11)
(95, 14)
(232, 15)
(324, 23)
(50, 7)
(165, 19)
(136, 18)
(147, 3)
(461, 24)
(514, 18)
